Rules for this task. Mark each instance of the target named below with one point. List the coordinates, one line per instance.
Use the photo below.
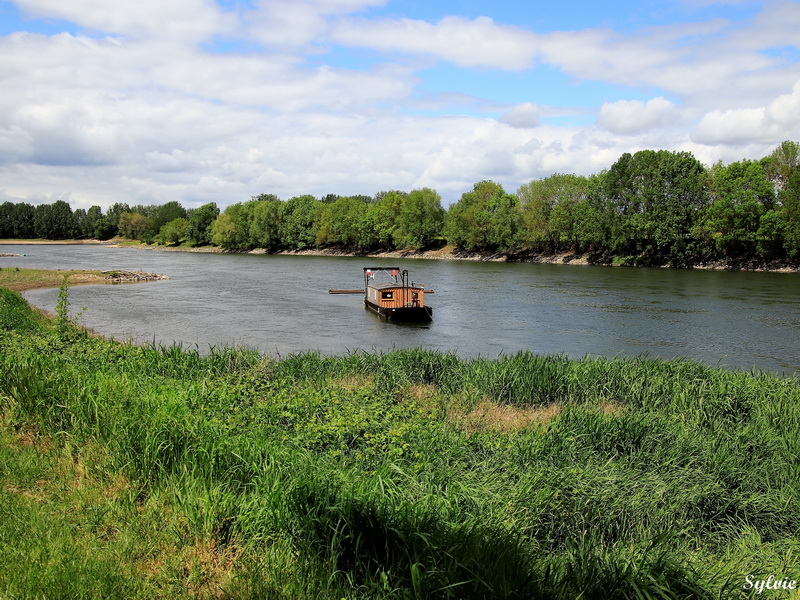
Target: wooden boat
(399, 299)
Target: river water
(280, 305)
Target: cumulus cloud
(295, 23)
(138, 107)
(634, 116)
(522, 115)
(731, 126)
(184, 20)
(71, 134)
(469, 43)
(777, 121)
(785, 110)
(716, 60)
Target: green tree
(548, 205)
(200, 221)
(487, 218)
(386, 213)
(80, 225)
(593, 218)
(160, 215)
(420, 220)
(43, 221)
(790, 210)
(770, 234)
(657, 197)
(6, 225)
(741, 194)
(93, 216)
(679, 202)
(231, 229)
(629, 187)
(86, 221)
(346, 222)
(223, 230)
(62, 221)
(175, 231)
(783, 161)
(132, 225)
(113, 213)
(537, 205)
(22, 220)
(104, 229)
(265, 223)
(298, 224)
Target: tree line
(650, 207)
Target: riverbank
(8, 242)
(445, 253)
(21, 279)
(144, 472)
(566, 258)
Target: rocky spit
(119, 276)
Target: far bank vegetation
(653, 207)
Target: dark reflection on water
(280, 304)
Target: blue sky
(197, 101)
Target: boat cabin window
(386, 295)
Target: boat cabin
(399, 299)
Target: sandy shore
(52, 242)
(21, 279)
(445, 253)
(568, 258)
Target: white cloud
(280, 84)
(148, 114)
(785, 110)
(522, 115)
(634, 116)
(177, 20)
(731, 127)
(295, 23)
(468, 43)
(72, 134)
(777, 121)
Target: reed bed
(399, 474)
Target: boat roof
(390, 286)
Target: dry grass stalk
(353, 382)
(502, 418)
(610, 408)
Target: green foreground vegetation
(653, 207)
(142, 472)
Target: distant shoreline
(52, 242)
(446, 253)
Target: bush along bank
(161, 472)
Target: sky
(146, 101)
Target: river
(280, 305)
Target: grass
(158, 472)
(19, 279)
(77, 527)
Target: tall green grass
(355, 476)
(16, 315)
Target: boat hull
(404, 313)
